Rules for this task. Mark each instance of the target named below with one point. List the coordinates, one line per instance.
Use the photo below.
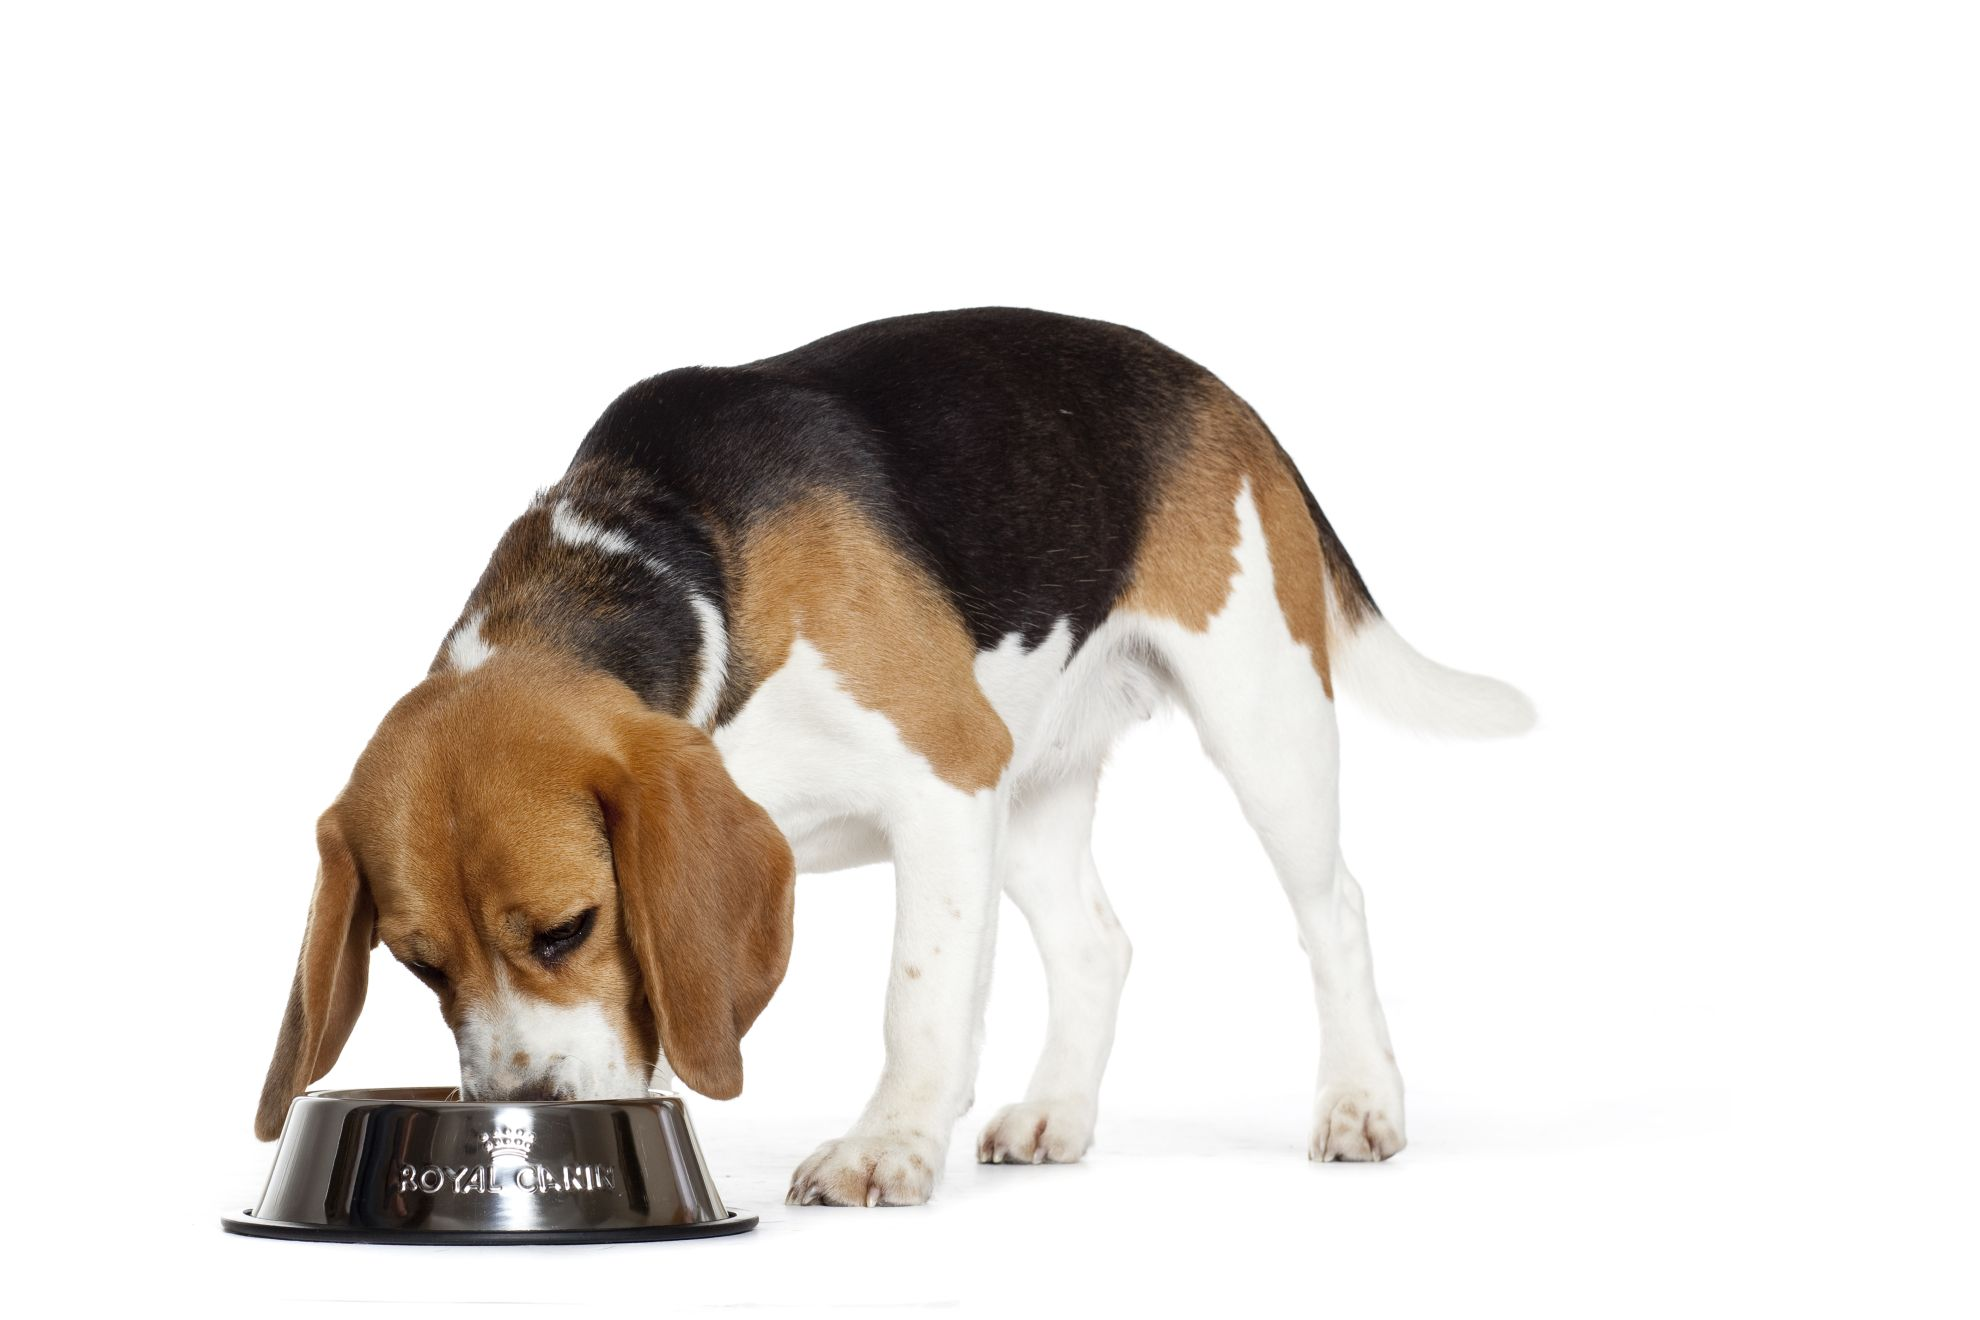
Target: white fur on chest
(830, 771)
(833, 773)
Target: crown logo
(508, 1141)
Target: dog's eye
(428, 973)
(559, 940)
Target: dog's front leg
(945, 924)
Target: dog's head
(575, 876)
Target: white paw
(1050, 1132)
(891, 1168)
(1357, 1122)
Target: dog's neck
(620, 578)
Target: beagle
(889, 596)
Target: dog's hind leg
(1049, 873)
(1267, 721)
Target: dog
(889, 596)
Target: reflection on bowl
(418, 1165)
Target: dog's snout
(527, 1051)
(540, 1088)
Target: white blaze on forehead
(572, 1047)
(467, 649)
(573, 528)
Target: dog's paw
(893, 1168)
(1357, 1122)
(1052, 1132)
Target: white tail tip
(1379, 670)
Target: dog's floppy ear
(706, 887)
(330, 979)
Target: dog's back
(1035, 471)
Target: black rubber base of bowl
(247, 1225)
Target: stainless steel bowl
(416, 1165)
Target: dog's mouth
(539, 1089)
(565, 1079)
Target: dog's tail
(1376, 668)
(1371, 663)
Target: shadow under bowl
(417, 1166)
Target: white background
(1631, 349)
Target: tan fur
(330, 980)
(1188, 550)
(498, 803)
(819, 569)
(706, 881)
(516, 588)
(537, 586)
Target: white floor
(1640, 1206)
(1629, 348)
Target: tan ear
(706, 886)
(330, 980)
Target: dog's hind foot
(1357, 1122)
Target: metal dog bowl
(417, 1166)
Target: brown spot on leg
(821, 570)
(1188, 552)
(1184, 568)
(519, 1060)
(1297, 577)
(914, 973)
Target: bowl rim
(245, 1224)
(448, 1097)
